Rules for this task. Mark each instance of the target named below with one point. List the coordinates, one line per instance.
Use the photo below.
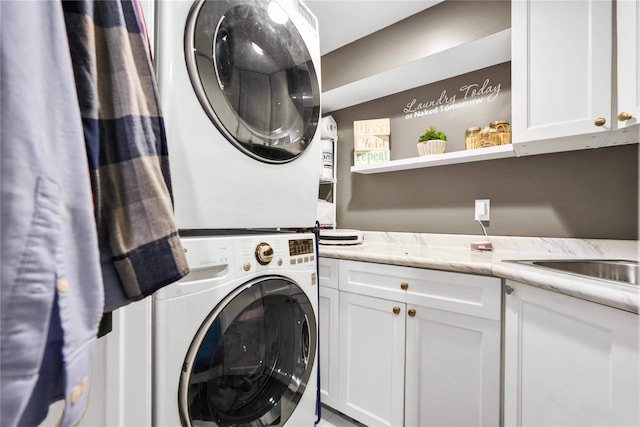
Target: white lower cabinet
(452, 369)
(328, 350)
(372, 338)
(329, 324)
(569, 362)
(418, 347)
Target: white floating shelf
(463, 156)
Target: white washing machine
(240, 87)
(235, 342)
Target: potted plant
(431, 142)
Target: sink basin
(619, 271)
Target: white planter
(432, 146)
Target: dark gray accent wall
(436, 29)
(577, 194)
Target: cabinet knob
(404, 286)
(600, 121)
(411, 312)
(396, 310)
(624, 116)
(508, 289)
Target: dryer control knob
(264, 253)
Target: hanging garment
(140, 250)
(51, 287)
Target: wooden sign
(371, 157)
(371, 141)
(372, 127)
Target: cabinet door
(561, 74)
(329, 308)
(372, 338)
(329, 272)
(453, 369)
(569, 362)
(628, 21)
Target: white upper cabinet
(627, 113)
(561, 74)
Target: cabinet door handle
(396, 310)
(600, 121)
(411, 312)
(508, 289)
(624, 116)
(404, 286)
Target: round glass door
(254, 76)
(250, 362)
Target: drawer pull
(396, 310)
(411, 312)
(508, 289)
(404, 286)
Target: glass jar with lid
(488, 137)
(503, 131)
(472, 138)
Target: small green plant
(432, 133)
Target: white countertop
(452, 253)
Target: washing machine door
(250, 362)
(254, 76)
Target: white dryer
(235, 342)
(240, 87)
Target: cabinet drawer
(328, 272)
(456, 292)
(375, 280)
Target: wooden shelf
(454, 157)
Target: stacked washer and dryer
(235, 342)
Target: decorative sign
(371, 141)
(370, 157)
(469, 94)
(372, 127)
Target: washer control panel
(274, 252)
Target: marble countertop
(453, 253)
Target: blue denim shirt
(51, 285)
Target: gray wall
(579, 194)
(441, 27)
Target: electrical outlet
(482, 210)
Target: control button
(246, 266)
(312, 258)
(306, 259)
(264, 253)
(279, 262)
(314, 279)
(292, 261)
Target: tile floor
(332, 418)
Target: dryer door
(254, 76)
(251, 359)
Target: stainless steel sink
(619, 271)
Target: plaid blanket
(126, 146)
